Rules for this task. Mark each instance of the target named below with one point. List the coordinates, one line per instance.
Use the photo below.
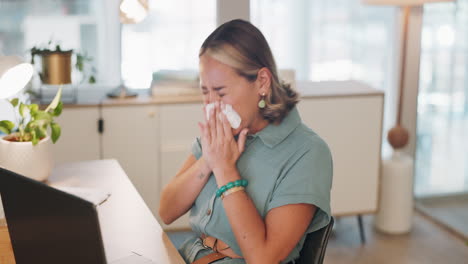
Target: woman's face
(220, 82)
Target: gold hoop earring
(262, 102)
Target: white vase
(396, 195)
(35, 162)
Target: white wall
(228, 10)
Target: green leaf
(6, 126)
(27, 137)
(34, 139)
(22, 110)
(43, 116)
(79, 62)
(58, 109)
(56, 100)
(14, 102)
(41, 132)
(56, 131)
(30, 126)
(33, 108)
(92, 79)
(4, 130)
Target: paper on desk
(134, 259)
(95, 196)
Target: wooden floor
(427, 243)
(6, 253)
(449, 211)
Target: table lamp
(398, 136)
(14, 75)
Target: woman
(253, 192)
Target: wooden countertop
(6, 252)
(96, 97)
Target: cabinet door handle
(152, 114)
(101, 125)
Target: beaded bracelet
(231, 191)
(230, 185)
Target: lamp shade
(402, 2)
(14, 75)
(133, 11)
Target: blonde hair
(242, 46)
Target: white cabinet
(79, 139)
(131, 137)
(152, 140)
(352, 127)
(178, 129)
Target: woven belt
(221, 250)
(210, 258)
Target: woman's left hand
(220, 149)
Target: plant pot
(35, 162)
(56, 67)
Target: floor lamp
(396, 192)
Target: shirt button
(208, 212)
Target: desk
(126, 222)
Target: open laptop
(47, 225)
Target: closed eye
(219, 88)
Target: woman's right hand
(220, 149)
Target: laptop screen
(47, 225)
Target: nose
(213, 97)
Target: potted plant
(57, 65)
(26, 148)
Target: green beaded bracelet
(229, 185)
(244, 183)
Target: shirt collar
(273, 134)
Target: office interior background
(321, 40)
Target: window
(168, 39)
(441, 152)
(79, 25)
(332, 40)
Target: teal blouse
(284, 164)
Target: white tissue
(231, 115)
(208, 109)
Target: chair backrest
(315, 245)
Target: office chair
(313, 251)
